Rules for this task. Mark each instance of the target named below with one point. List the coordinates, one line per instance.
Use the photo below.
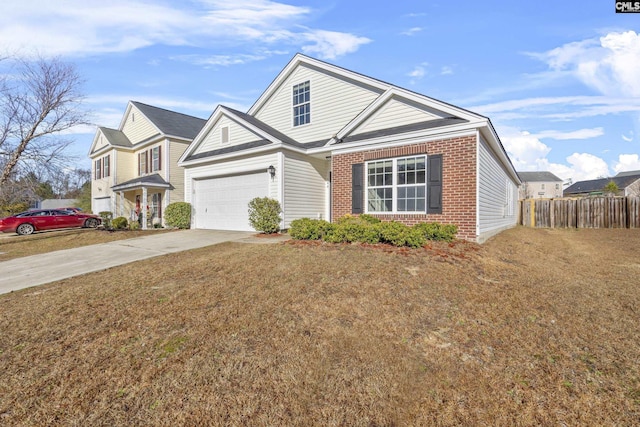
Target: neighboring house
(325, 142)
(57, 203)
(539, 185)
(628, 185)
(134, 167)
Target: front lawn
(536, 327)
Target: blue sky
(559, 80)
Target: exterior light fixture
(272, 171)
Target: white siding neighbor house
(326, 141)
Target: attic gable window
(302, 103)
(224, 131)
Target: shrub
(309, 229)
(437, 231)
(353, 229)
(12, 209)
(134, 225)
(394, 233)
(370, 219)
(107, 217)
(264, 214)
(120, 223)
(178, 215)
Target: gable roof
(628, 173)
(595, 185)
(115, 137)
(170, 122)
(542, 176)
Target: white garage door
(101, 204)
(223, 203)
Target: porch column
(121, 203)
(145, 202)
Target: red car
(47, 219)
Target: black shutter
(357, 188)
(434, 184)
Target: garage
(222, 203)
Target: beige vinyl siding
(394, 113)
(305, 187)
(237, 135)
(495, 185)
(176, 173)
(238, 166)
(101, 141)
(138, 128)
(334, 102)
(126, 166)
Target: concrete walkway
(36, 270)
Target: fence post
(532, 213)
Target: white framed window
(156, 164)
(98, 169)
(106, 169)
(302, 103)
(142, 163)
(396, 185)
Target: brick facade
(459, 172)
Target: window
(397, 185)
(156, 206)
(142, 163)
(302, 104)
(155, 159)
(542, 186)
(98, 169)
(224, 131)
(106, 166)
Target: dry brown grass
(536, 327)
(14, 246)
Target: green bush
(437, 231)
(264, 215)
(134, 225)
(309, 229)
(178, 215)
(353, 229)
(369, 229)
(107, 217)
(120, 223)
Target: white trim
(249, 152)
(280, 182)
(394, 186)
(477, 184)
(292, 106)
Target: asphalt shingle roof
(116, 137)
(538, 177)
(595, 185)
(170, 122)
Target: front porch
(142, 199)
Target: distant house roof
(538, 177)
(170, 122)
(595, 185)
(628, 173)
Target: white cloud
(331, 44)
(628, 138)
(411, 31)
(446, 70)
(528, 153)
(87, 28)
(609, 64)
(627, 162)
(576, 134)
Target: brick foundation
(459, 165)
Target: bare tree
(39, 101)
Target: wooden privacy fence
(587, 212)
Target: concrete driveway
(36, 270)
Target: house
(326, 141)
(539, 185)
(628, 184)
(135, 170)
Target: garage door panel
(222, 203)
